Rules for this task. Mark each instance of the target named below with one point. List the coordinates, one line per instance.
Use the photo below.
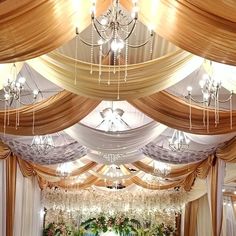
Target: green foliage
(121, 225)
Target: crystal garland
(142, 204)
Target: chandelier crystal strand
(126, 55)
(118, 83)
(231, 111)
(100, 64)
(91, 50)
(189, 89)
(76, 58)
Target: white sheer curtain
(2, 197)
(203, 218)
(229, 220)
(28, 221)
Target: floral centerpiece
(57, 229)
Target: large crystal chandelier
(113, 30)
(42, 144)
(13, 88)
(179, 142)
(210, 85)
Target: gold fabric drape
(143, 78)
(51, 115)
(174, 112)
(33, 28)
(227, 153)
(190, 218)
(215, 196)
(205, 28)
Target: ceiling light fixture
(179, 142)
(13, 88)
(42, 144)
(113, 30)
(210, 85)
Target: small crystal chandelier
(161, 169)
(179, 142)
(113, 30)
(112, 120)
(114, 174)
(210, 88)
(64, 169)
(42, 144)
(13, 88)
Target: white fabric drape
(116, 159)
(28, 205)
(229, 219)
(203, 218)
(119, 142)
(2, 197)
(209, 139)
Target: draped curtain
(3, 197)
(28, 216)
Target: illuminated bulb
(189, 88)
(205, 77)
(104, 21)
(235, 192)
(21, 80)
(35, 92)
(117, 45)
(6, 96)
(224, 203)
(100, 41)
(206, 96)
(223, 190)
(202, 83)
(229, 204)
(17, 84)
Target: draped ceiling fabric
(32, 28)
(204, 28)
(119, 142)
(51, 115)
(143, 78)
(58, 154)
(174, 112)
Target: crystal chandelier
(210, 86)
(161, 169)
(179, 142)
(112, 31)
(13, 88)
(42, 144)
(112, 120)
(114, 174)
(64, 169)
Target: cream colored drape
(205, 28)
(143, 79)
(28, 219)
